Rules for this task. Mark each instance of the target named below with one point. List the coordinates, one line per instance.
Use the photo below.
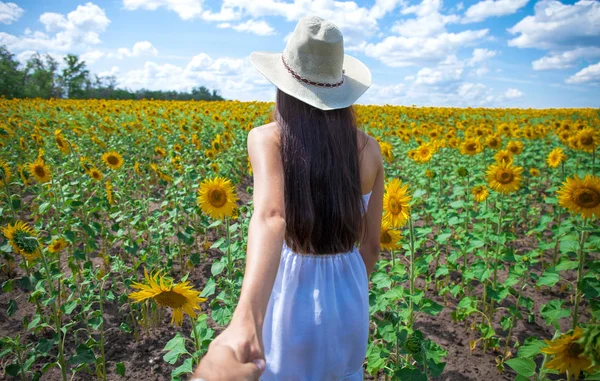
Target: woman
(318, 192)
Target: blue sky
(493, 53)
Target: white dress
(316, 325)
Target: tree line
(41, 77)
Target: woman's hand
(244, 337)
(221, 364)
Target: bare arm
(266, 230)
(369, 246)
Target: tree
(11, 77)
(41, 77)
(74, 77)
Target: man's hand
(221, 364)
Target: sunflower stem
(412, 271)
(103, 367)
(9, 199)
(229, 263)
(578, 289)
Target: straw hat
(314, 68)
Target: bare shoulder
(372, 151)
(265, 136)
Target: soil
(142, 356)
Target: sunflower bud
(462, 172)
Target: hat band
(308, 81)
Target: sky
(464, 53)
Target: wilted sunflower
(471, 147)
(40, 171)
(5, 173)
(180, 297)
(480, 193)
(95, 174)
(395, 203)
(389, 237)
(57, 245)
(503, 156)
(113, 159)
(504, 177)
(587, 140)
(216, 197)
(23, 239)
(581, 196)
(555, 157)
(568, 356)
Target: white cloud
(186, 9)
(91, 56)
(513, 93)
(260, 28)
(79, 29)
(140, 48)
(558, 27)
(236, 78)
(422, 40)
(109, 73)
(388, 94)
(400, 51)
(480, 55)
(590, 74)
(10, 12)
(564, 60)
(449, 70)
(492, 8)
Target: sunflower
(423, 153)
(568, 356)
(210, 153)
(534, 172)
(40, 170)
(95, 174)
(493, 141)
(61, 142)
(136, 168)
(480, 193)
(180, 297)
(216, 197)
(504, 177)
(5, 173)
(581, 195)
(113, 159)
(429, 174)
(471, 147)
(389, 237)
(177, 148)
(160, 151)
(503, 156)
(395, 203)
(23, 239)
(555, 157)
(515, 147)
(24, 173)
(386, 151)
(214, 167)
(587, 140)
(57, 245)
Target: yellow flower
(180, 297)
(395, 203)
(214, 167)
(581, 195)
(95, 174)
(534, 172)
(23, 239)
(493, 141)
(57, 245)
(109, 192)
(40, 171)
(61, 142)
(515, 147)
(555, 157)
(5, 173)
(423, 153)
(136, 168)
(503, 156)
(386, 151)
(389, 237)
(160, 151)
(568, 356)
(216, 197)
(113, 159)
(504, 177)
(177, 147)
(471, 147)
(587, 140)
(480, 193)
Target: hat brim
(357, 79)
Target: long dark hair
(323, 196)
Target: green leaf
(524, 367)
(215, 224)
(548, 278)
(430, 307)
(184, 368)
(44, 346)
(12, 307)
(531, 347)
(552, 312)
(120, 369)
(218, 266)
(175, 348)
(83, 355)
(7, 286)
(209, 288)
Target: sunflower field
(124, 231)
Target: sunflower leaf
(175, 348)
(523, 366)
